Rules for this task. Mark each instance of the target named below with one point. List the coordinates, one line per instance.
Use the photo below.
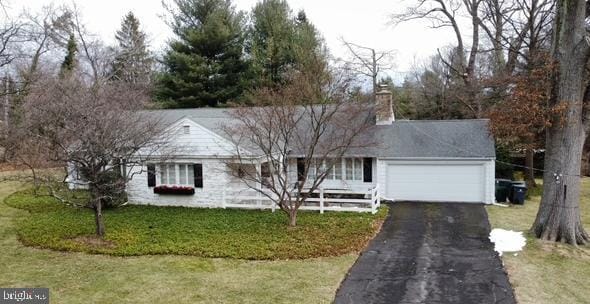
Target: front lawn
(148, 230)
(75, 277)
(545, 272)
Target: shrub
(503, 167)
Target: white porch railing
(326, 201)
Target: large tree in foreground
(94, 129)
(204, 63)
(558, 218)
(309, 119)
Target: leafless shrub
(99, 131)
(310, 120)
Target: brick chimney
(384, 106)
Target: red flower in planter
(174, 189)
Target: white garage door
(435, 182)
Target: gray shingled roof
(210, 118)
(403, 139)
(434, 139)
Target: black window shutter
(367, 170)
(151, 172)
(300, 169)
(198, 172)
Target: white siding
(198, 146)
(381, 174)
(73, 180)
(215, 181)
(203, 146)
(199, 142)
(490, 182)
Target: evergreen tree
(271, 38)
(133, 62)
(204, 65)
(279, 41)
(69, 63)
(309, 47)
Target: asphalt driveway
(429, 253)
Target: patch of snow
(500, 205)
(507, 240)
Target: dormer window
(186, 129)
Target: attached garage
(435, 181)
(436, 161)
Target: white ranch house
(435, 161)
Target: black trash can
(502, 189)
(518, 193)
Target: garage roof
(468, 138)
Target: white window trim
(343, 174)
(176, 175)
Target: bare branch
(308, 123)
(368, 61)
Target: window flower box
(175, 190)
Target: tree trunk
(529, 171)
(98, 219)
(558, 218)
(292, 217)
(374, 73)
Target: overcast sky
(360, 21)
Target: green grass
(545, 272)
(149, 230)
(75, 277)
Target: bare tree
(10, 37)
(435, 90)
(514, 37)
(9, 34)
(94, 132)
(368, 61)
(520, 120)
(38, 28)
(558, 218)
(447, 13)
(97, 58)
(307, 124)
(519, 30)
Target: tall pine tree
(270, 41)
(133, 62)
(279, 41)
(309, 47)
(204, 65)
(70, 62)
